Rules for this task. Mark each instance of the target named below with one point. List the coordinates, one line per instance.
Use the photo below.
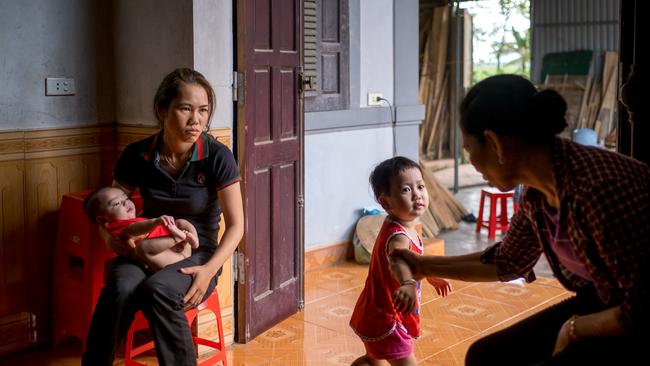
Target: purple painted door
(270, 140)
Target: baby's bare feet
(177, 233)
(191, 239)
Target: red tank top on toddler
(374, 316)
(116, 227)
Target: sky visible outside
(485, 15)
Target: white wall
(376, 49)
(213, 53)
(338, 163)
(48, 38)
(116, 52)
(152, 38)
(337, 167)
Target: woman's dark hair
(510, 105)
(170, 86)
(380, 176)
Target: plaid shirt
(605, 209)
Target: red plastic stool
(140, 323)
(494, 222)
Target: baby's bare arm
(140, 228)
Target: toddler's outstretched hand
(404, 298)
(442, 286)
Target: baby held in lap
(157, 242)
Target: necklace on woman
(171, 166)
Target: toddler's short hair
(380, 176)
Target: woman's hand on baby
(442, 286)
(202, 275)
(404, 298)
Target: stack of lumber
(441, 68)
(606, 118)
(591, 102)
(434, 80)
(573, 88)
(444, 210)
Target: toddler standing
(387, 314)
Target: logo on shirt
(200, 178)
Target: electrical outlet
(59, 86)
(373, 98)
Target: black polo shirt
(191, 196)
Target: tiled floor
(320, 335)
(449, 324)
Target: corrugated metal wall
(569, 25)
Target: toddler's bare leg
(366, 361)
(189, 232)
(406, 361)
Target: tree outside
(501, 37)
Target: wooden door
(270, 140)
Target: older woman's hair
(510, 105)
(170, 86)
